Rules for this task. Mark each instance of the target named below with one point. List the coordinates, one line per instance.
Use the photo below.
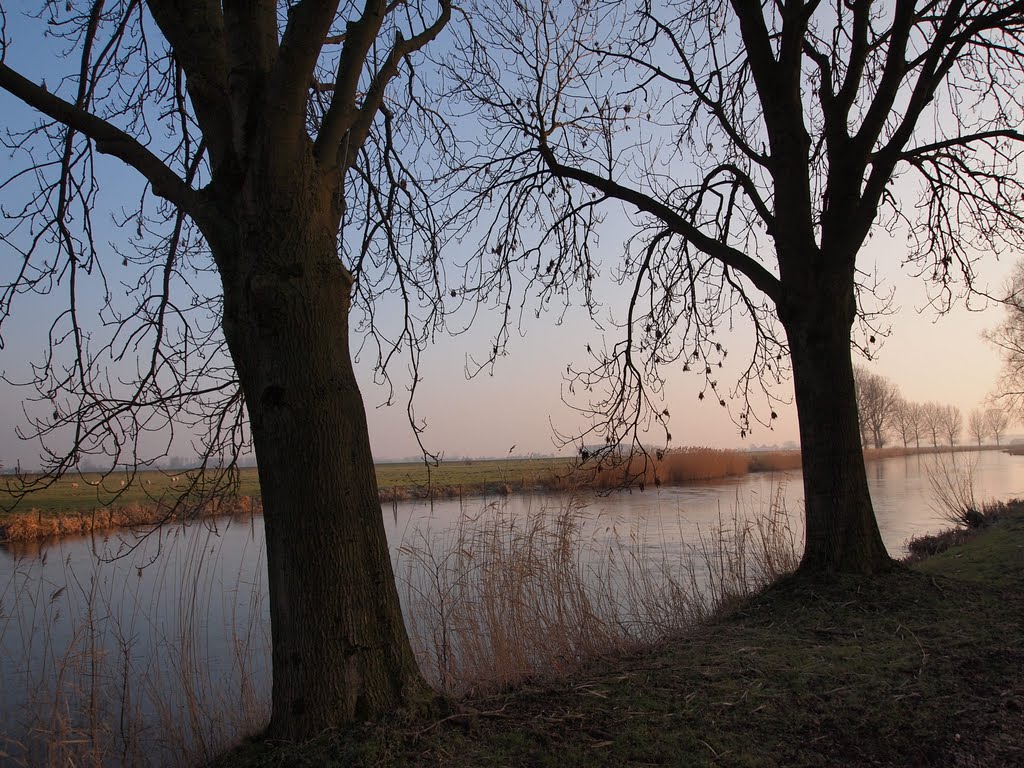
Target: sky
(517, 409)
(930, 357)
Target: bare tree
(977, 425)
(998, 420)
(877, 399)
(274, 143)
(754, 146)
(905, 422)
(951, 422)
(932, 420)
(915, 414)
(1008, 338)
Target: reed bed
(774, 461)
(128, 676)
(496, 600)
(677, 466)
(36, 524)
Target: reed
(35, 524)
(117, 670)
(678, 466)
(951, 479)
(496, 600)
(491, 601)
(774, 461)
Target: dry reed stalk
(31, 525)
(95, 700)
(951, 480)
(495, 600)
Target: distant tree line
(884, 413)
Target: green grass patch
(86, 492)
(473, 475)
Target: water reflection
(177, 621)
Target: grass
(921, 666)
(82, 503)
(470, 477)
(499, 599)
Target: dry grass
(490, 602)
(496, 600)
(35, 524)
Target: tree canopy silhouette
(756, 147)
(275, 144)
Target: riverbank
(923, 666)
(87, 503)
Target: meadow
(83, 502)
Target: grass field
(922, 666)
(87, 492)
(70, 505)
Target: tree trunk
(842, 534)
(340, 651)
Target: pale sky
(930, 358)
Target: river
(156, 649)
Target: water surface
(176, 623)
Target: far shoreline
(74, 506)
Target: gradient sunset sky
(930, 357)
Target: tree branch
(764, 280)
(309, 21)
(343, 115)
(108, 139)
(194, 30)
(959, 141)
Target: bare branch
(109, 139)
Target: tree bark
(341, 654)
(842, 534)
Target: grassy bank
(82, 503)
(923, 666)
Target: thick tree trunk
(842, 534)
(340, 651)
